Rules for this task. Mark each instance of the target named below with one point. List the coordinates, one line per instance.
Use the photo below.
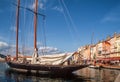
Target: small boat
(95, 67)
(47, 63)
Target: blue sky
(65, 29)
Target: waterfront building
(113, 48)
(108, 48)
(106, 45)
(81, 50)
(85, 52)
(93, 52)
(99, 49)
(118, 45)
(76, 57)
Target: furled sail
(56, 59)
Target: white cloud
(48, 49)
(41, 50)
(110, 19)
(59, 9)
(41, 4)
(11, 49)
(13, 28)
(3, 44)
(112, 16)
(44, 4)
(32, 6)
(3, 47)
(6, 49)
(39, 43)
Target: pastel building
(93, 52)
(113, 48)
(118, 45)
(85, 52)
(106, 48)
(99, 49)
(110, 47)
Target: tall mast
(17, 28)
(35, 25)
(91, 51)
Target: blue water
(83, 75)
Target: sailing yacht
(47, 63)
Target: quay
(105, 66)
(111, 67)
(2, 59)
(104, 53)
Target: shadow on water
(16, 76)
(83, 75)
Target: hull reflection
(50, 77)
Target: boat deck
(48, 68)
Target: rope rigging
(26, 29)
(67, 17)
(69, 20)
(30, 10)
(40, 25)
(44, 37)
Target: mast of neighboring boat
(17, 28)
(91, 50)
(35, 25)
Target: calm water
(83, 75)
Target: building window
(99, 52)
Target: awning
(110, 58)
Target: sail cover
(56, 59)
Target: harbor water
(82, 75)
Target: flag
(107, 43)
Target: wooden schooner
(47, 63)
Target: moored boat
(36, 63)
(95, 67)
